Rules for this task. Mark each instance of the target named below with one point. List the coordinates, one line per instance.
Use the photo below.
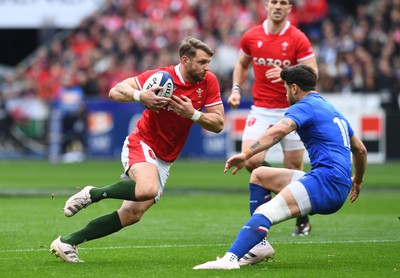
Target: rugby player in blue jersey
(330, 142)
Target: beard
(194, 75)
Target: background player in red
(153, 145)
(268, 48)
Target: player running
(153, 145)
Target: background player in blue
(329, 140)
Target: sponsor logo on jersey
(270, 62)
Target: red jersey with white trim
(287, 48)
(166, 132)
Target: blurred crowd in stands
(357, 44)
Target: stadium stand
(357, 47)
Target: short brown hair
(301, 75)
(189, 45)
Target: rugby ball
(163, 79)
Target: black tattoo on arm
(255, 145)
(123, 92)
(292, 124)
(284, 122)
(276, 140)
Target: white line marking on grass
(206, 245)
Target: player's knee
(256, 176)
(130, 216)
(146, 194)
(275, 210)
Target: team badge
(199, 94)
(152, 155)
(251, 121)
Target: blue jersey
(326, 135)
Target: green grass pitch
(198, 217)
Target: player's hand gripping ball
(163, 79)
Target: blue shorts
(327, 188)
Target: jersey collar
(178, 73)
(265, 25)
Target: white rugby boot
(263, 251)
(65, 251)
(78, 201)
(229, 261)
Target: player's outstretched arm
(359, 152)
(270, 137)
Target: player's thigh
(274, 179)
(146, 176)
(291, 201)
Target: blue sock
(258, 196)
(251, 234)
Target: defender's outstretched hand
(355, 189)
(237, 160)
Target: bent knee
(129, 217)
(146, 191)
(146, 194)
(256, 175)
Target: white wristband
(196, 116)
(136, 95)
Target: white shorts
(260, 119)
(134, 151)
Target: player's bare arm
(125, 91)
(275, 134)
(212, 119)
(270, 137)
(239, 77)
(359, 153)
(311, 63)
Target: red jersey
(166, 132)
(287, 48)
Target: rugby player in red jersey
(268, 48)
(150, 149)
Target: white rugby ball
(163, 79)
